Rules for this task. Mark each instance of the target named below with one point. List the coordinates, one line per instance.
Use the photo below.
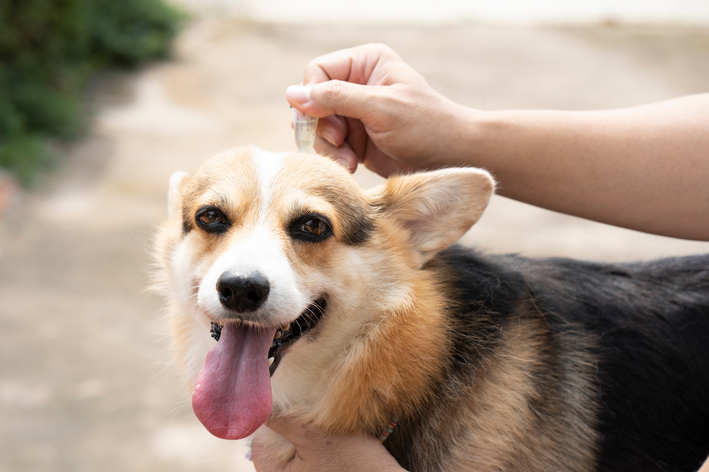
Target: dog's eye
(212, 220)
(315, 226)
(311, 228)
(210, 217)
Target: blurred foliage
(49, 49)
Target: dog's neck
(377, 379)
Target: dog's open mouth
(288, 334)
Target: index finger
(356, 65)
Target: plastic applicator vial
(304, 126)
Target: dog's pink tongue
(232, 396)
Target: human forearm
(644, 168)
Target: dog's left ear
(436, 208)
(174, 193)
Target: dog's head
(293, 262)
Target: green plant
(49, 49)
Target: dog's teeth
(270, 361)
(278, 334)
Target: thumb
(334, 97)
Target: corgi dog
(293, 291)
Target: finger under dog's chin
(270, 450)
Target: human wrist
(464, 136)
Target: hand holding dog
(643, 168)
(323, 452)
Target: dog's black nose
(243, 292)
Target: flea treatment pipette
(304, 126)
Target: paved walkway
(86, 382)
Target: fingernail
(298, 94)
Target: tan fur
(378, 379)
(436, 209)
(504, 433)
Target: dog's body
(491, 363)
(570, 366)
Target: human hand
(319, 451)
(377, 110)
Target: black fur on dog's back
(619, 379)
(652, 323)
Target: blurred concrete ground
(86, 381)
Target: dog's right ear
(435, 208)
(174, 193)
